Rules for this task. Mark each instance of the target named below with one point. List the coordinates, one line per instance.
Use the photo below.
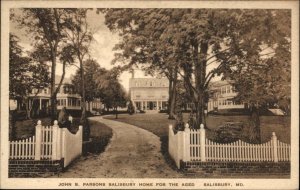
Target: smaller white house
(66, 97)
(222, 98)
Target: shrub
(229, 132)
(130, 108)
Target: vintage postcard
(149, 94)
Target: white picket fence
(192, 145)
(49, 143)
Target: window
(228, 89)
(151, 83)
(233, 89)
(223, 90)
(136, 84)
(45, 91)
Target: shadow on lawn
(100, 137)
(165, 152)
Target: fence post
(54, 140)
(59, 143)
(202, 143)
(80, 137)
(274, 143)
(38, 140)
(186, 144)
(63, 145)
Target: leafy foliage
(233, 41)
(24, 74)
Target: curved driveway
(133, 152)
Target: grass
(26, 128)
(158, 124)
(100, 134)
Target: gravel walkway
(133, 152)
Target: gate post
(274, 143)
(54, 140)
(38, 140)
(202, 143)
(186, 144)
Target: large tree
(112, 93)
(46, 27)
(92, 71)
(140, 45)
(79, 37)
(25, 74)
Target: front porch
(150, 105)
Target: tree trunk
(173, 94)
(173, 98)
(12, 125)
(86, 129)
(116, 112)
(255, 122)
(170, 94)
(199, 59)
(28, 110)
(53, 101)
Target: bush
(229, 132)
(130, 108)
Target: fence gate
(48, 143)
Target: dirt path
(132, 153)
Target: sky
(101, 47)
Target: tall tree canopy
(46, 29)
(231, 41)
(92, 71)
(25, 74)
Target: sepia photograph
(149, 95)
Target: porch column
(157, 108)
(146, 107)
(40, 103)
(142, 105)
(133, 103)
(161, 104)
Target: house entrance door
(151, 106)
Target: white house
(223, 94)
(66, 97)
(149, 93)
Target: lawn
(100, 134)
(26, 128)
(158, 124)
